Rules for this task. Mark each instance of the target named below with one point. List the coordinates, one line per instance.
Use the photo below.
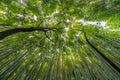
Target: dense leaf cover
(59, 39)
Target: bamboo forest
(59, 39)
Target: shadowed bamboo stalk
(103, 56)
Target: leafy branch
(9, 32)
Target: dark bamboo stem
(103, 56)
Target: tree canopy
(59, 39)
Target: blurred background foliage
(33, 56)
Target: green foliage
(64, 53)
